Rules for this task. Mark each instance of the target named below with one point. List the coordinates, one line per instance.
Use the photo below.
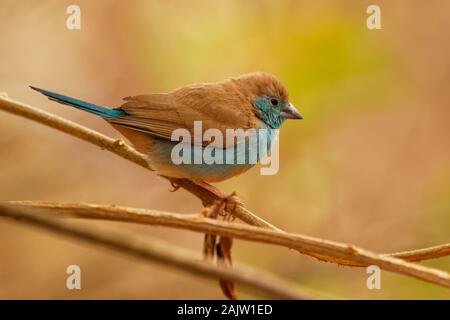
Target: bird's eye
(274, 101)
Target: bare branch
(322, 249)
(325, 250)
(434, 252)
(120, 148)
(159, 251)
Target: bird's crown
(262, 84)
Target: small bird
(256, 100)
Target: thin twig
(325, 250)
(159, 251)
(417, 255)
(116, 146)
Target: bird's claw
(229, 203)
(174, 185)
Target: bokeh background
(369, 164)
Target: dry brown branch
(330, 251)
(417, 255)
(322, 249)
(120, 148)
(159, 251)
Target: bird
(256, 100)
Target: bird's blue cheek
(270, 115)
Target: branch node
(119, 143)
(351, 249)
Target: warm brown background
(370, 164)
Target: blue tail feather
(103, 112)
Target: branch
(120, 148)
(322, 249)
(325, 250)
(417, 255)
(159, 251)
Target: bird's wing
(153, 114)
(219, 106)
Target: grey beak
(289, 112)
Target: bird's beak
(290, 112)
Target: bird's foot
(231, 201)
(174, 185)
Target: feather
(103, 112)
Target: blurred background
(369, 164)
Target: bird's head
(269, 98)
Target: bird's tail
(103, 112)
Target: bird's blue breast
(244, 155)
